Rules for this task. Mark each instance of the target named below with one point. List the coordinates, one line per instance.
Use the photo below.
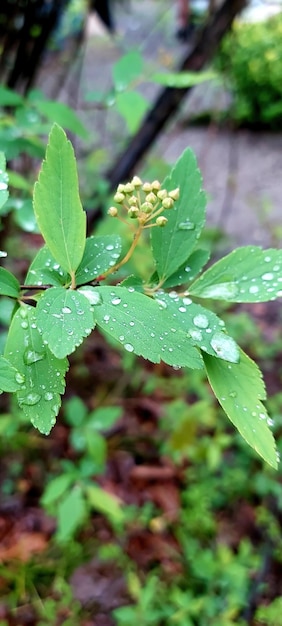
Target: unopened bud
(112, 211)
(151, 197)
(133, 212)
(120, 188)
(162, 194)
(129, 188)
(168, 203)
(136, 181)
(147, 187)
(119, 197)
(156, 185)
(132, 201)
(147, 207)
(161, 220)
(174, 194)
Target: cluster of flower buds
(144, 202)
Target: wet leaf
(239, 389)
(44, 270)
(248, 274)
(145, 327)
(173, 244)
(57, 205)
(4, 193)
(43, 373)
(64, 317)
(190, 269)
(71, 513)
(10, 379)
(100, 254)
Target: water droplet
(187, 268)
(173, 295)
(19, 378)
(276, 268)
(23, 312)
(187, 301)
(187, 225)
(253, 289)
(48, 396)
(66, 309)
(31, 399)
(24, 325)
(195, 334)
(225, 347)
(109, 247)
(128, 347)
(106, 318)
(221, 290)
(121, 337)
(131, 323)
(182, 309)
(92, 295)
(116, 301)
(162, 303)
(131, 289)
(267, 259)
(31, 356)
(201, 320)
(80, 311)
(267, 276)
(233, 394)
(70, 332)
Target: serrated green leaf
(173, 244)
(132, 106)
(127, 69)
(239, 389)
(43, 373)
(100, 254)
(10, 379)
(4, 193)
(203, 327)
(64, 317)
(105, 503)
(144, 327)
(57, 205)
(248, 274)
(44, 270)
(9, 285)
(9, 98)
(190, 269)
(182, 79)
(71, 513)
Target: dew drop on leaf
(48, 396)
(201, 321)
(225, 347)
(66, 309)
(267, 276)
(128, 347)
(187, 225)
(31, 356)
(116, 301)
(221, 290)
(19, 378)
(31, 399)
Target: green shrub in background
(251, 60)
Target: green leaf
(100, 254)
(9, 285)
(190, 269)
(4, 193)
(71, 513)
(9, 98)
(132, 106)
(182, 79)
(64, 317)
(10, 379)
(144, 327)
(18, 181)
(42, 372)
(57, 205)
(105, 503)
(104, 417)
(247, 274)
(239, 389)
(61, 114)
(44, 270)
(173, 244)
(126, 69)
(56, 488)
(203, 327)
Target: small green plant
(250, 59)
(62, 299)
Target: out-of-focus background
(143, 506)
